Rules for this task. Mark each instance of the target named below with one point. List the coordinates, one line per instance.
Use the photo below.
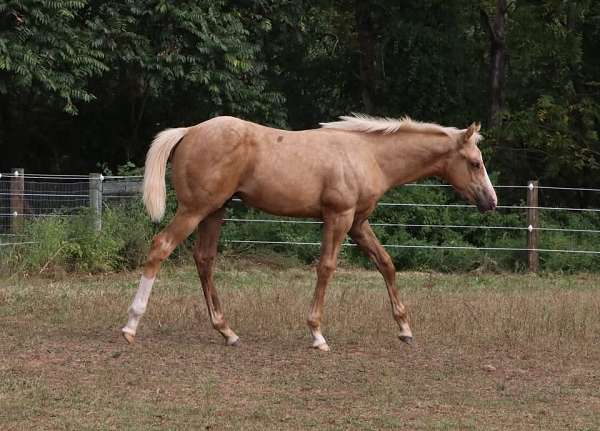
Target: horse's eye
(475, 165)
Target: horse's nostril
(485, 205)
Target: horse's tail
(156, 164)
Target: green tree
(553, 113)
(161, 64)
(46, 61)
(178, 63)
(46, 52)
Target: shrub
(72, 244)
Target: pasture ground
(492, 352)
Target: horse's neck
(408, 157)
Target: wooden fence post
(532, 225)
(96, 200)
(17, 204)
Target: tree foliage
(553, 112)
(45, 49)
(89, 81)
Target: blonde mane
(367, 124)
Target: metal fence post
(17, 204)
(532, 225)
(96, 200)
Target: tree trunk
(138, 94)
(5, 133)
(573, 29)
(578, 123)
(366, 43)
(497, 34)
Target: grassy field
(492, 352)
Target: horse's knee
(387, 266)
(382, 259)
(387, 262)
(326, 267)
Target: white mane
(367, 124)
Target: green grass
(63, 364)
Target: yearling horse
(336, 174)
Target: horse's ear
(473, 128)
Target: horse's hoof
(406, 339)
(234, 343)
(322, 347)
(129, 337)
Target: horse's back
(279, 171)
(300, 173)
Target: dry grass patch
(491, 352)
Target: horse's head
(466, 172)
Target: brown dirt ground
(63, 364)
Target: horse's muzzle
(485, 202)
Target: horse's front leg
(365, 238)
(205, 253)
(335, 227)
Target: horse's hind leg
(205, 253)
(163, 244)
(365, 238)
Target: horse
(335, 173)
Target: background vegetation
(71, 244)
(88, 82)
(84, 85)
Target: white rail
(426, 246)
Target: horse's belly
(282, 198)
(300, 179)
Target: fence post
(96, 200)
(532, 225)
(17, 204)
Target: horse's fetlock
(313, 322)
(219, 323)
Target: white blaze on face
(489, 189)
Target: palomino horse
(336, 173)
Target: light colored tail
(154, 175)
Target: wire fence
(28, 196)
